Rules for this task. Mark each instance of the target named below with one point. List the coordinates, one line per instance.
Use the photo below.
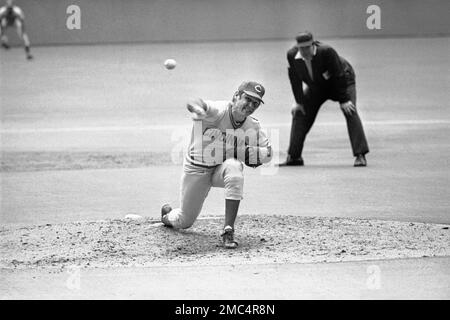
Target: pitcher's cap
(253, 89)
(304, 39)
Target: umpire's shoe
(292, 162)
(360, 161)
(228, 238)
(164, 211)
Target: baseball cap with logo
(253, 89)
(304, 39)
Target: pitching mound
(262, 239)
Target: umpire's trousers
(301, 124)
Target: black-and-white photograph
(195, 150)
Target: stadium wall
(110, 21)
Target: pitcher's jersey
(218, 137)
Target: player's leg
(302, 123)
(229, 175)
(356, 131)
(3, 37)
(231, 211)
(195, 185)
(20, 27)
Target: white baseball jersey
(218, 136)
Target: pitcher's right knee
(233, 179)
(177, 219)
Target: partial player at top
(12, 16)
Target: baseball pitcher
(224, 137)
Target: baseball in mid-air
(170, 64)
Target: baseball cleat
(164, 211)
(228, 238)
(360, 161)
(5, 45)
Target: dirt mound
(262, 239)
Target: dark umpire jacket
(332, 74)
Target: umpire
(326, 76)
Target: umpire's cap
(252, 89)
(304, 39)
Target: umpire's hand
(298, 108)
(348, 107)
